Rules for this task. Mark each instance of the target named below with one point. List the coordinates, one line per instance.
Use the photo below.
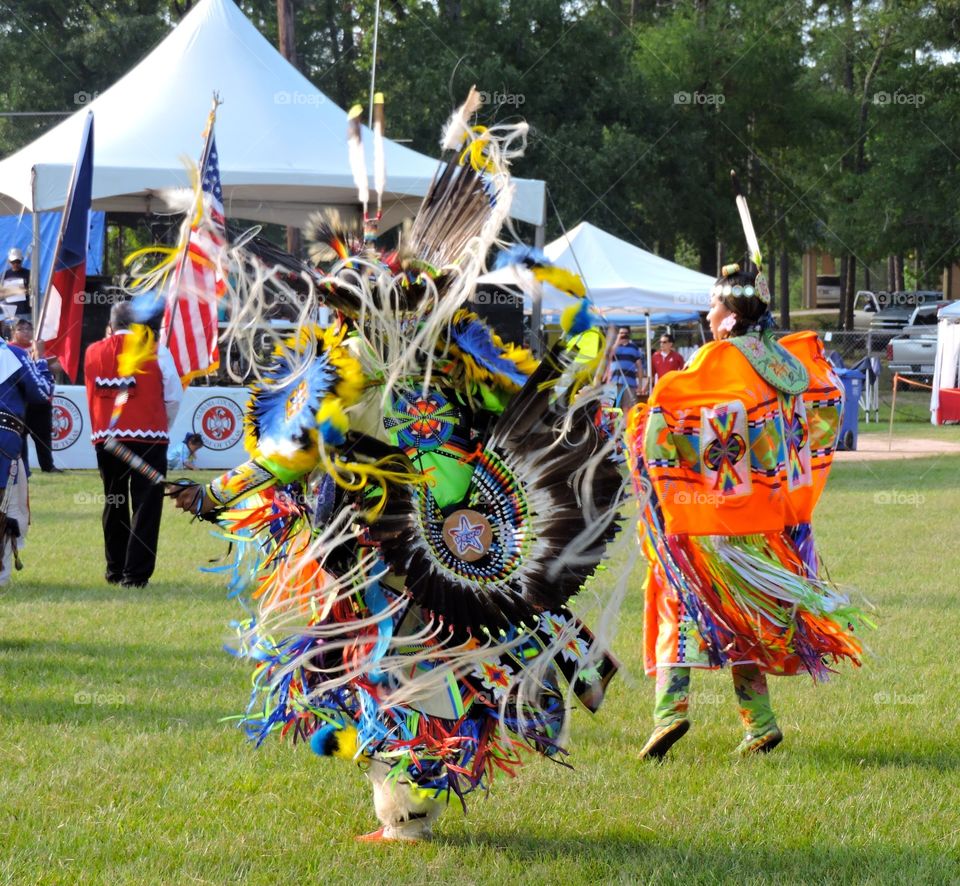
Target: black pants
(131, 513)
(39, 423)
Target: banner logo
(219, 421)
(67, 423)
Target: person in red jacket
(132, 505)
(665, 360)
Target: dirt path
(879, 447)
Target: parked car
(913, 355)
(899, 317)
(866, 305)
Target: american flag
(190, 321)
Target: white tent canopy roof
(617, 275)
(282, 143)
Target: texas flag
(63, 306)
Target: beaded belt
(10, 422)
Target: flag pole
(35, 251)
(63, 224)
(185, 247)
(373, 66)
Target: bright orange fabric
(751, 491)
(729, 455)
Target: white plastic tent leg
(646, 317)
(538, 342)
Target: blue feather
(285, 405)
(475, 338)
(582, 319)
(323, 742)
(521, 254)
(147, 305)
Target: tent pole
(35, 249)
(649, 366)
(536, 311)
(373, 66)
(893, 406)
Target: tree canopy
(842, 117)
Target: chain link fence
(912, 400)
(854, 346)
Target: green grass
(118, 766)
(911, 414)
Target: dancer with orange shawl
(736, 449)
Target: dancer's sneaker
(663, 738)
(760, 744)
(379, 836)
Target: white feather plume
(358, 165)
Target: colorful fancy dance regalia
(735, 450)
(419, 506)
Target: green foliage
(56, 56)
(841, 116)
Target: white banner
(216, 414)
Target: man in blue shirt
(625, 369)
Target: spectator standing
(666, 359)
(132, 505)
(625, 369)
(22, 381)
(38, 421)
(16, 286)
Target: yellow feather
(561, 278)
(354, 476)
(347, 747)
(567, 318)
(136, 351)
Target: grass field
(118, 765)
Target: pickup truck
(898, 317)
(913, 355)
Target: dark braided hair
(751, 311)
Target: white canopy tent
(620, 278)
(617, 274)
(281, 142)
(946, 373)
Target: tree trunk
(451, 10)
(843, 291)
(285, 31)
(338, 50)
(708, 254)
(898, 284)
(771, 272)
(851, 287)
(286, 37)
(784, 290)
